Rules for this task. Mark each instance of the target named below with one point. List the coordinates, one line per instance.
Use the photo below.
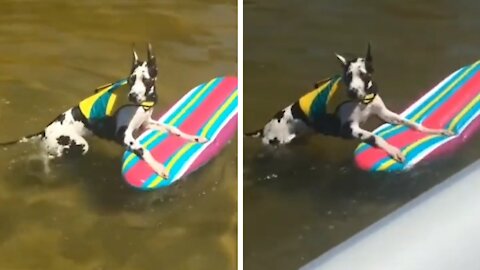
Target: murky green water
(308, 197)
(83, 216)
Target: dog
(358, 102)
(65, 135)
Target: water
(308, 197)
(82, 215)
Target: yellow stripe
(336, 97)
(463, 112)
(87, 104)
(174, 120)
(218, 113)
(334, 89)
(207, 128)
(307, 99)
(147, 143)
(111, 103)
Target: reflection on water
(305, 198)
(83, 216)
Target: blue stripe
(161, 138)
(463, 121)
(396, 167)
(118, 84)
(163, 183)
(150, 134)
(214, 128)
(413, 153)
(420, 148)
(181, 162)
(185, 102)
(128, 152)
(198, 102)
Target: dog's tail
(255, 134)
(27, 138)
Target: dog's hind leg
(66, 145)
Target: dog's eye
(147, 82)
(365, 76)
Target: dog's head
(142, 78)
(357, 75)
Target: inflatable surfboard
(208, 110)
(453, 104)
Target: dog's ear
(368, 58)
(151, 57)
(135, 61)
(135, 57)
(342, 59)
(151, 61)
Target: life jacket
(326, 98)
(105, 103)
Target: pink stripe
(192, 124)
(438, 119)
(455, 104)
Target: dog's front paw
(446, 132)
(165, 174)
(161, 170)
(396, 154)
(199, 139)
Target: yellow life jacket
(326, 97)
(323, 99)
(104, 102)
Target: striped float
(208, 110)
(453, 104)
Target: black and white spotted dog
(345, 122)
(65, 136)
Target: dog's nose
(132, 96)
